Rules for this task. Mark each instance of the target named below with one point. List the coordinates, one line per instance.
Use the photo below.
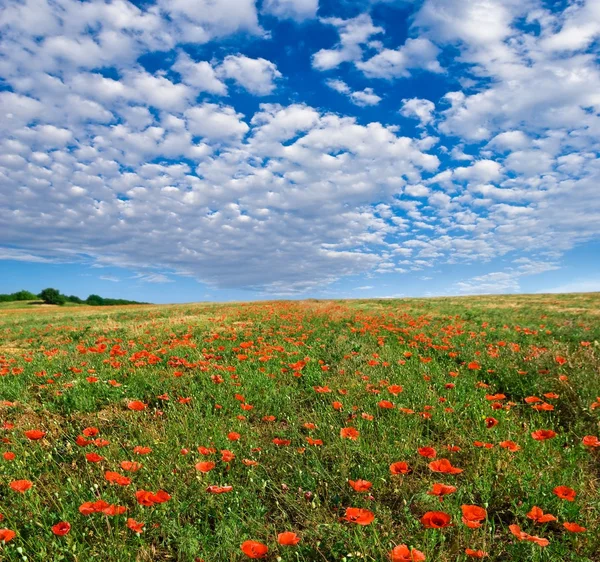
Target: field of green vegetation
(405, 430)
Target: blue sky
(187, 150)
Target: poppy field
(406, 430)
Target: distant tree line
(18, 296)
(54, 296)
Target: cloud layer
(105, 158)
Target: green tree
(24, 296)
(52, 296)
(94, 300)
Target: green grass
(355, 348)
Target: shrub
(52, 296)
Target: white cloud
(510, 140)
(199, 75)
(199, 21)
(481, 171)
(153, 278)
(580, 26)
(361, 98)
(255, 75)
(294, 9)
(419, 53)
(477, 22)
(215, 122)
(529, 162)
(365, 97)
(101, 157)
(420, 109)
(498, 282)
(354, 33)
(158, 91)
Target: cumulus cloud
(361, 98)
(419, 53)
(199, 21)
(199, 75)
(418, 109)
(255, 75)
(293, 9)
(354, 33)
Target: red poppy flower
(590, 441)
(472, 515)
(91, 431)
(490, 422)
(117, 478)
(144, 497)
(161, 497)
(360, 485)
(113, 510)
(61, 529)
(574, 527)
(386, 405)
(136, 405)
(516, 531)
(227, 456)
(233, 436)
(135, 526)
(349, 433)
(148, 499)
(522, 536)
(539, 516)
(441, 490)
(445, 466)
(130, 466)
(427, 452)
(82, 441)
(475, 553)
(35, 434)
(254, 549)
(138, 450)
(395, 389)
(436, 520)
(288, 538)
(281, 442)
(205, 466)
(94, 457)
(219, 489)
(543, 434)
(402, 553)
(20, 485)
(400, 467)
(8, 456)
(510, 445)
(7, 535)
(359, 516)
(87, 508)
(537, 540)
(565, 493)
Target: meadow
(406, 430)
